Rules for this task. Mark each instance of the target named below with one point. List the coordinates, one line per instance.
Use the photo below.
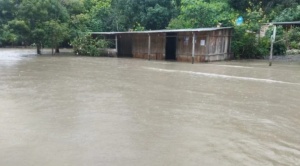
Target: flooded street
(73, 110)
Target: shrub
(294, 38)
(281, 39)
(280, 48)
(246, 45)
(87, 45)
(294, 45)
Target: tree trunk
(57, 49)
(38, 49)
(52, 47)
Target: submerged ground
(72, 110)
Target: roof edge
(163, 31)
(283, 23)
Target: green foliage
(246, 45)
(7, 36)
(52, 22)
(138, 27)
(40, 22)
(294, 38)
(294, 34)
(87, 45)
(294, 45)
(289, 14)
(56, 32)
(198, 13)
(151, 14)
(267, 5)
(280, 45)
(280, 48)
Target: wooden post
(273, 37)
(149, 46)
(207, 45)
(193, 49)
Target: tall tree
(200, 13)
(151, 14)
(36, 14)
(8, 10)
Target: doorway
(171, 41)
(124, 46)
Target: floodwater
(73, 110)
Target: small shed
(188, 45)
(286, 25)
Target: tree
(20, 29)
(56, 33)
(245, 44)
(151, 14)
(87, 45)
(8, 10)
(270, 7)
(289, 14)
(199, 13)
(36, 14)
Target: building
(187, 45)
(286, 25)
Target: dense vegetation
(53, 23)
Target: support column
(149, 46)
(193, 50)
(207, 45)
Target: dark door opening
(171, 46)
(124, 46)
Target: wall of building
(219, 45)
(157, 47)
(209, 46)
(185, 46)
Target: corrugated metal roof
(162, 31)
(284, 23)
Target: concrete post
(193, 49)
(116, 40)
(149, 46)
(273, 37)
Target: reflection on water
(107, 111)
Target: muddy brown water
(72, 110)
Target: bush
(294, 38)
(294, 34)
(87, 45)
(245, 44)
(281, 39)
(280, 48)
(294, 45)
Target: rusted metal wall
(140, 45)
